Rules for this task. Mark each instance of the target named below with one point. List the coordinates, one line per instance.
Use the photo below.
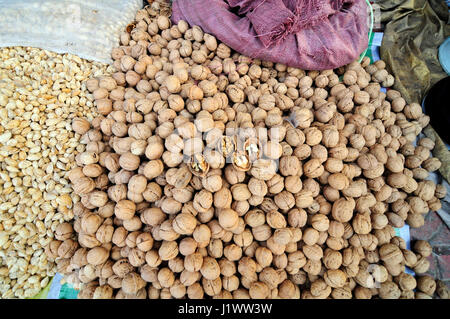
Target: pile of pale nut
(40, 93)
(209, 174)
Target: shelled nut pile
(172, 206)
(40, 93)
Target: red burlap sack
(308, 34)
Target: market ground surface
(437, 233)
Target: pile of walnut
(317, 224)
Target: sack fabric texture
(308, 34)
(86, 28)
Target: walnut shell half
(198, 165)
(241, 161)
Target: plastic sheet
(414, 31)
(88, 29)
